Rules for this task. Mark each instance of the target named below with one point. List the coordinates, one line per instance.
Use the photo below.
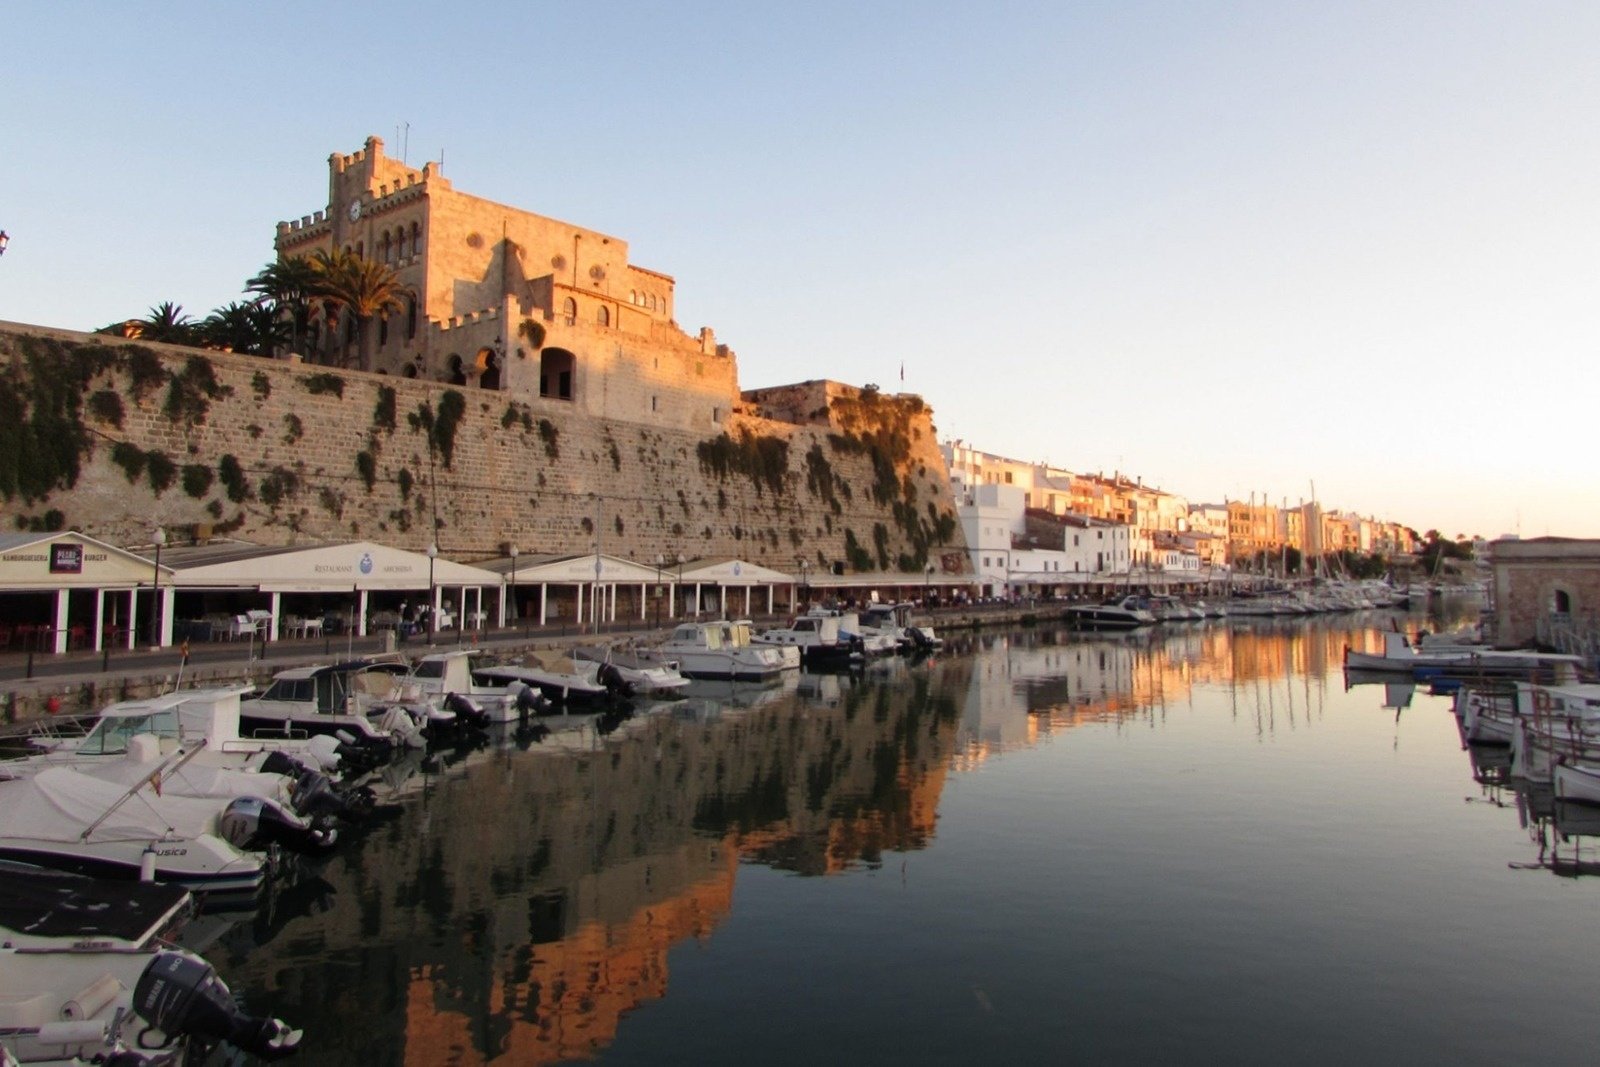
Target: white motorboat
(178, 721)
(68, 821)
(446, 677)
(714, 650)
(566, 682)
(644, 676)
(86, 976)
(895, 621)
(815, 639)
(361, 702)
(1129, 613)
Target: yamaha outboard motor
(468, 711)
(529, 701)
(255, 823)
(182, 996)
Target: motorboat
(895, 621)
(644, 676)
(716, 649)
(446, 677)
(88, 975)
(815, 639)
(182, 720)
(1129, 613)
(69, 821)
(568, 683)
(361, 702)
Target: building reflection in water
(527, 895)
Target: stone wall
(534, 472)
(1529, 575)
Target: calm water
(1189, 846)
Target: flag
(155, 782)
(902, 370)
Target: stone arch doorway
(487, 365)
(557, 374)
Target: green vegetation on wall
(764, 460)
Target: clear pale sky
(1231, 248)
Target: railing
(1572, 635)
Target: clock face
(355, 210)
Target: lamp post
(660, 561)
(433, 600)
(513, 585)
(804, 566)
(160, 538)
(677, 586)
(927, 589)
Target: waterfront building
(1547, 589)
(507, 300)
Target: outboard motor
(181, 996)
(468, 711)
(255, 823)
(529, 700)
(611, 678)
(316, 797)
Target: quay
(77, 683)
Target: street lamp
(805, 591)
(433, 600)
(927, 589)
(513, 585)
(660, 561)
(160, 538)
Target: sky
(1228, 248)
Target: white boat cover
(194, 779)
(59, 803)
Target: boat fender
(147, 864)
(95, 995)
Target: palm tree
(291, 285)
(362, 289)
(256, 328)
(167, 322)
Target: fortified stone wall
(1529, 577)
(278, 452)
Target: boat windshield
(110, 735)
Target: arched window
(569, 311)
(457, 374)
(409, 370)
(603, 316)
(411, 317)
(403, 247)
(1563, 602)
(416, 239)
(633, 296)
(387, 249)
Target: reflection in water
(525, 896)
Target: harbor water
(1189, 844)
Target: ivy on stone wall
(764, 460)
(293, 428)
(106, 406)
(197, 479)
(161, 471)
(191, 391)
(383, 410)
(130, 458)
(367, 468)
(452, 406)
(260, 385)
(404, 480)
(280, 484)
(548, 432)
(320, 384)
(231, 474)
